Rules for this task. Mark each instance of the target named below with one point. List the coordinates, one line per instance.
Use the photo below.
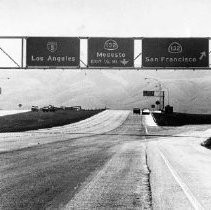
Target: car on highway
(145, 111)
(136, 111)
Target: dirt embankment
(179, 119)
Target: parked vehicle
(52, 108)
(34, 108)
(45, 109)
(49, 108)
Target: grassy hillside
(37, 120)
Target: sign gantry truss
(126, 53)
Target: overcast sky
(105, 17)
(112, 18)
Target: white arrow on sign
(124, 61)
(203, 54)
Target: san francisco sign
(175, 52)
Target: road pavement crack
(122, 182)
(148, 195)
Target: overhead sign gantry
(134, 53)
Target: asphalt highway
(113, 160)
(97, 163)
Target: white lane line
(143, 123)
(148, 120)
(194, 202)
(146, 130)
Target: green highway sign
(175, 52)
(111, 52)
(53, 52)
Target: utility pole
(163, 94)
